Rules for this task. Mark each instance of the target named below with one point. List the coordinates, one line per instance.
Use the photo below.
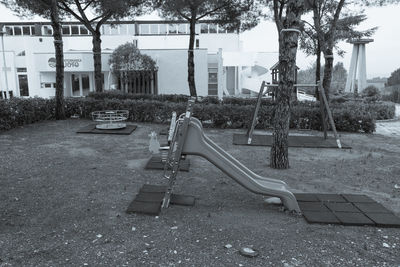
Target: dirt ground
(63, 198)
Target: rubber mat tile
(342, 207)
(150, 188)
(151, 208)
(306, 197)
(353, 218)
(150, 197)
(91, 129)
(313, 206)
(330, 198)
(358, 198)
(182, 200)
(320, 217)
(293, 141)
(384, 219)
(372, 208)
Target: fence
(138, 82)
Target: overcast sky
(383, 55)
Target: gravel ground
(63, 198)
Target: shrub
(392, 93)
(371, 93)
(350, 116)
(16, 111)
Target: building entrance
(81, 84)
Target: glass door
(80, 84)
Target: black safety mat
(294, 141)
(155, 163)
(345, 209)
(91, 129)
(149, 200)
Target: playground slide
(232, 159)
(197, 143)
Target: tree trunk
(328, 69)
(318, 69)
(58, 46)
(98, 80)
(288, 42)
(191, 80)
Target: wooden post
(255, 113)
(328, 110)
(322, 110)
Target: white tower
(358, 62)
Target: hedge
(349, 116)
(380, 110)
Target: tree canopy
(394, 78)
(127, 57)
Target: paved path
(390, 128)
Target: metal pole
(4, 62)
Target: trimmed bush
(17, 111)
(350, 116)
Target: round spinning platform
(112, 119)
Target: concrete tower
(358, 67)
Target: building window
(197, 43)
(9, 30)
(212, 81)
(204, 28)
(163, 28)
(74, 29)
(172, 29)
(75, 85)
(182, 29)
(114, 29)
(212, 28)
(33, 32)
(66, 30)
(154, 28)
(26, 30)
(106, 29)
(23, 85)
(131, 29)
(21, 69)
(123, 29)
(21, 54)
(47, 30)
(83, 30)
(17, 30)
(221, 29)
(144, 28)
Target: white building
(220, 66)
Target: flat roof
(108, 22)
